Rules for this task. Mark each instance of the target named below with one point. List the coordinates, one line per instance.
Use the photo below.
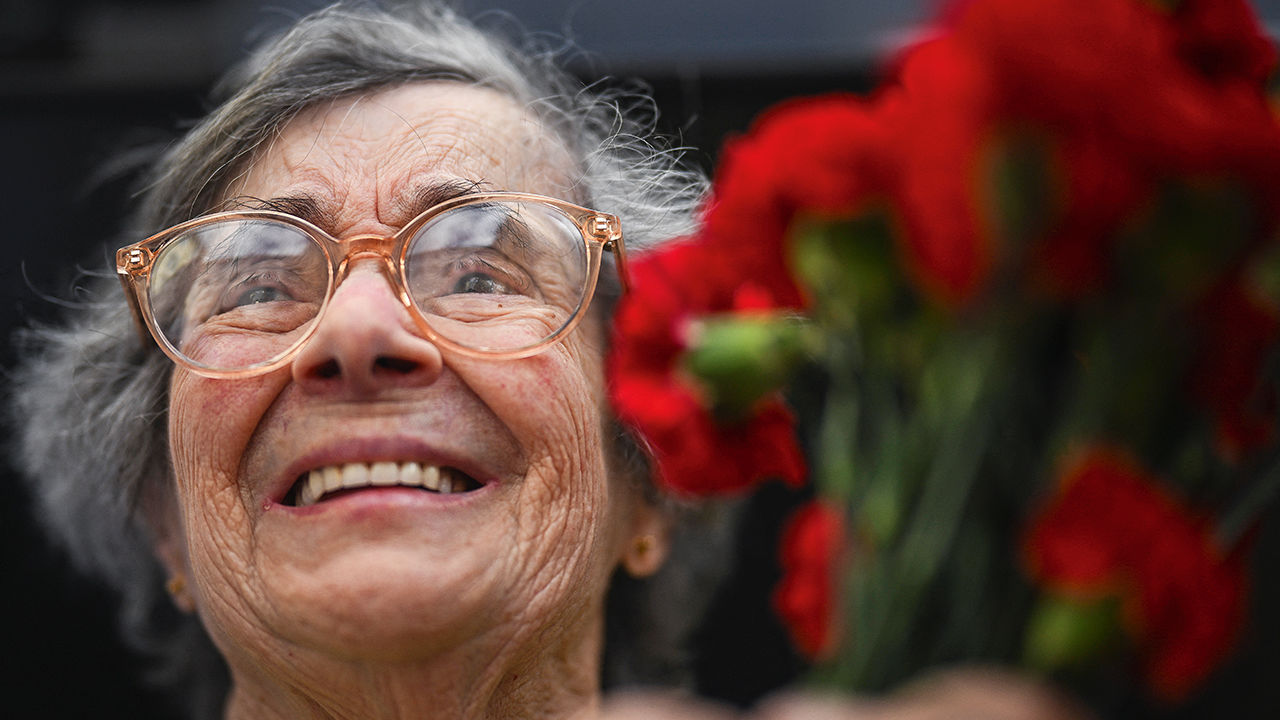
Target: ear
(650, 540)
(169, 543)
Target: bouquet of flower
(1034, 280)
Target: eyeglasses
(492, 275)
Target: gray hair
(89, 408)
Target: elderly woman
(361, 463)
(364, 441)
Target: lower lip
(383, 499)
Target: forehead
(373, 153)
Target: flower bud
(739, 359)
(1065, 631)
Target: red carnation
(805, 598)
(1224, 40)
(1119, 69)
(941, 117)
(816, 157)
(693, 452)
(1113, 530)
(1121, 94)
(1100, 192)
(812, 158)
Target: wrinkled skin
(401, 603)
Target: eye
(475, 282)
(261, 294)
(259, 288)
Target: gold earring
(177, 585)
(643, 545)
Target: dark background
(84, 81)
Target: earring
(643, 557)
(642, 545)
(177, 585)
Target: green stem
(892, 584)
(836, 474)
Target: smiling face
(496, 577)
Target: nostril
(327, 370)
(365, 343)
(398, 365)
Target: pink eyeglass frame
(600, 231)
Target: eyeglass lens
(495, 276)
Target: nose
(366, 342)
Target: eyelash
(516, 282)
(266, 278)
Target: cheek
(555, 415)
(553, 401)
(552, 404)
(210, 423)
(557, 405)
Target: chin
(383, 602)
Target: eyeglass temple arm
(127, 258)
(620, 262)
(607, 229)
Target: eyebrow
(306, 207)
(311, 209)
(432, 194)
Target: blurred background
(82, 82)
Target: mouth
(331, 481)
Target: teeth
(332, 478)
(312, 489)
(411, 474)
(384, 473)
(355, 475)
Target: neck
(469, 684)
